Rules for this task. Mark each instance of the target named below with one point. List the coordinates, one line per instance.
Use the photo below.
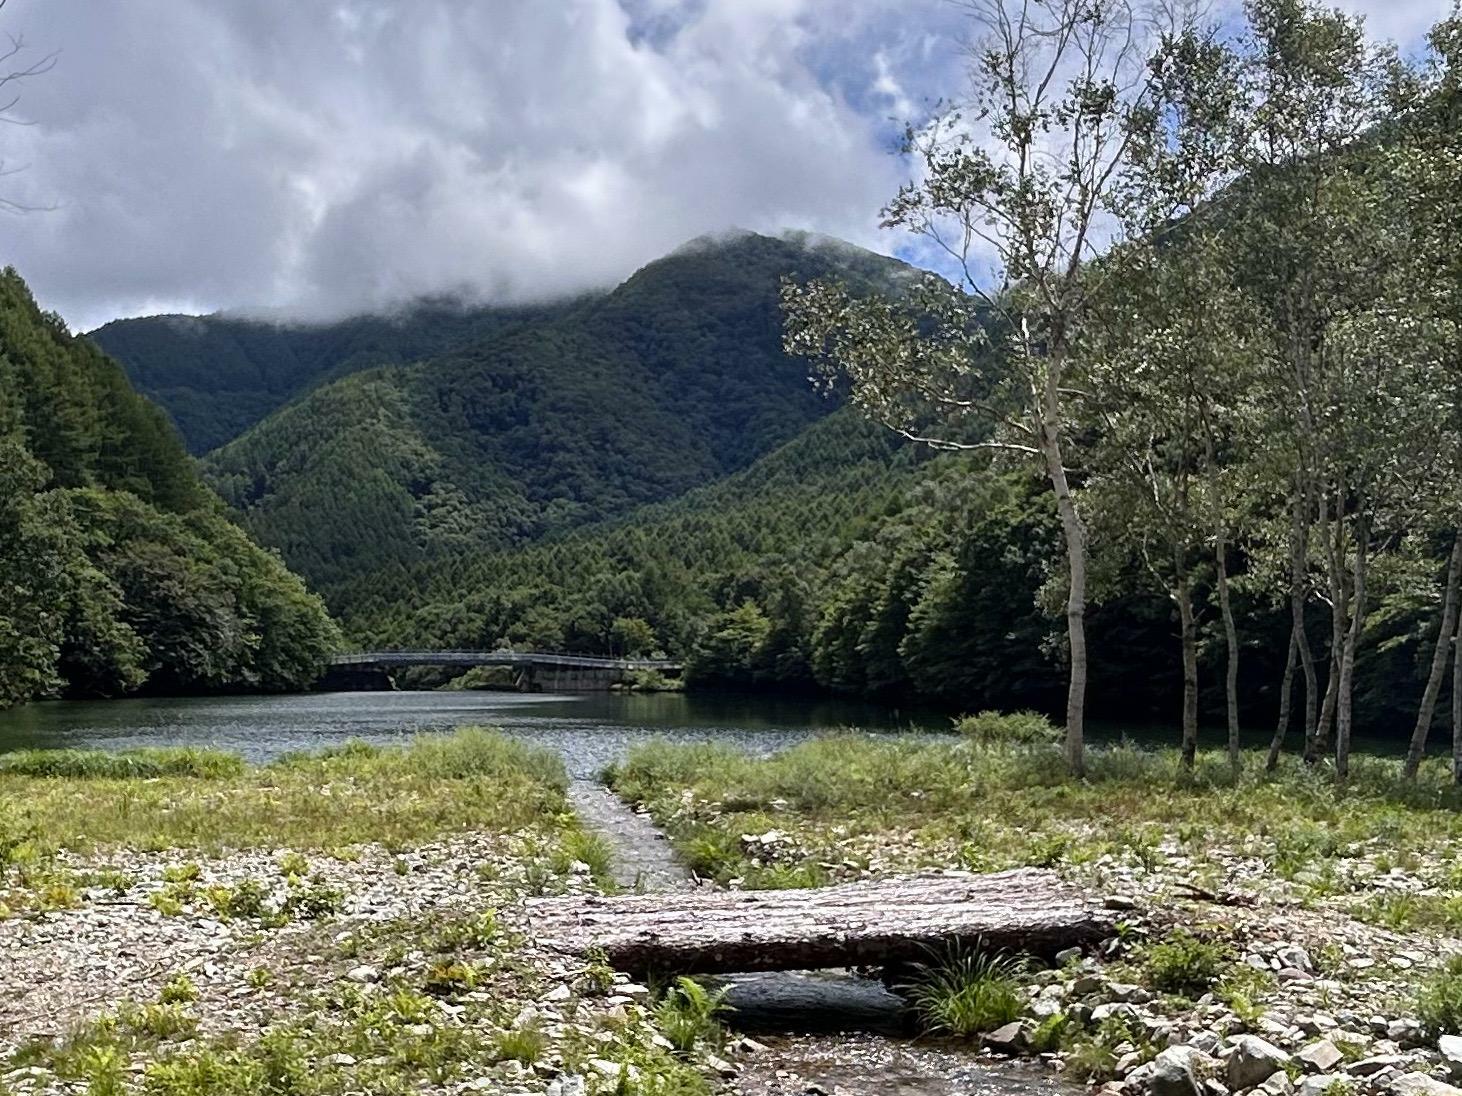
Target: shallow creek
(827, 1032)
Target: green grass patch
(989, 805)
(439, 784)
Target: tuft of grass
(687, 1015)
(1439, 1001)
(989, 728)
(525, 1044)
(965, 990)
(1185, 965)
(590, 849)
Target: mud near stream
(824, 1033)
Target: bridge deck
(873, 923)
(500, 658)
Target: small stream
(827, 1032)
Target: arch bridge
(536, 671)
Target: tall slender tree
(1016, 191)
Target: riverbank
(180, 924)
(1283, 933)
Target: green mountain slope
(218, 375)
(673, 380)
(118, 568)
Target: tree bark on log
(868, 923)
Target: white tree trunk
(1188, 637)
(1344, 693)
(1286, 701)
(1428, 708)
(1074, 533)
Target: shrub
(996, 727)
(1185, 965)
(965, 991)
(1439, 1003)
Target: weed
(451, 979)
(294, 865)
(313, 902)
(1029, 728)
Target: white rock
(1253, 1061)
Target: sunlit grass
(1010, 804)
(440, 784)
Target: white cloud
(330, 157)
(338, 155)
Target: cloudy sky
(330, 156)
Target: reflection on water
(591, 730)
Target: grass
(163, 799)
(994, 805)
(965, 991)
(1439, 1002)
(1185, 965)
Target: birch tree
(1015, 193)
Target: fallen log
(870, 923)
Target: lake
(591, 730)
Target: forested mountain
(118, 567)
(219, 375)
(673, 380)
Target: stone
(1450, 1048)
(1068, 955)
(364, 974)
(1321, 1057)
(1277, 1084)
(1206, 1042)
(1010, 1039)
(1173, 1073)
(721, 1066)
(1419, 1084)
(1292, 955)
(1368, 1067)
(1406, 1032)
(1253, 1060)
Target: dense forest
(216, 376)
(673, 380)
(122, 570)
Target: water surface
(591, 730)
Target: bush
(1439, 1004)
(1021, 727)
(965, 991)
(1185, 965)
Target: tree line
(1223, 324)
(119, 570)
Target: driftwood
(872, 923)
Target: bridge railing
(499, 658)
